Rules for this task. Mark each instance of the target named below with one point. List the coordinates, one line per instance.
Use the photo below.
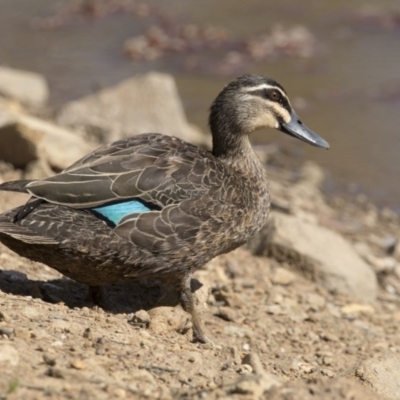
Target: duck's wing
(157, 169)
(182, 185)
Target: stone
(4, 316)
(120, 393)
(50, 359)
(141, 318)
(146, 103)
(282, 276)
(354, 308)
(25, 139)
(22, 333)
(315, 301)
(382, 374)
(322, 255)
(9, 332)
(27, 87)
(77, 363)
(254, 360)
(8, 355)
(245, 369)
(227, 313)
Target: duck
(153, 206)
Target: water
(352, 89)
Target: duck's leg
(188, 305)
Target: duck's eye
(274, 95)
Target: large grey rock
(148, 103)
(382, 374)
(25, 139)
(27, 87)
(321, 254)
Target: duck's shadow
(122, 298)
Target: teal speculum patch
(116, 211)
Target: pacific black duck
(154, 206)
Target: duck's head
(253, 102)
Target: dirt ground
(276, 334)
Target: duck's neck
(230, 130)
(236, 151)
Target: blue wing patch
(116, 211)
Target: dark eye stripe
(264, 93)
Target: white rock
(8, 355)
(27, 87)
(355, 308)
(282, 276)
(147, 103)
(382, 374)
(325, 255)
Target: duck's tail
(20, 186)
(15, 186)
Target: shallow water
(351, 89)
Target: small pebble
(327, 372)
(254, 361)
(306, 368)
(6, 331)
(275, 309)
(245, 369)
(55, 373)
(354, 308)
(22, 333)
(227, 313)
(327, 361)
(87, 334)
(282, 276)
(140, 317)
(120, 393)
(4, 317)
(78, 364)
(49, 359)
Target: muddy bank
(308, 309)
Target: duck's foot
(188, 305)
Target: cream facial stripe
(263, 87)
(279, 109)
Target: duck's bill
(296, 128)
